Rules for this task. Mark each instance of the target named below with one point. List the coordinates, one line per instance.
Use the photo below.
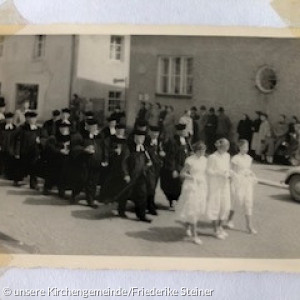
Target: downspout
(72, 66)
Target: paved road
(33, 223)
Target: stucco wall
(95, 71)
(224, 73)
(52, 73)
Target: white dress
(192, 201)
(242, 182)
(218, 169)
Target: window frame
(2, 40)
(174, 76)
(116, 101)
(39, 47)
(113, 45)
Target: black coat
(9, 164)
(176, 155)
(56, 161)
(244, 129)
(50, 127)
(114, 187)
(153, 171)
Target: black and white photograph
(150, 145)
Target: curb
(273, 183)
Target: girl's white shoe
(252, 231)
(198, 241)
(223, 232)
(219, 235)
(189, 232)
(230, 225)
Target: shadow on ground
(13, 243)
(102, 213)
(42, 200)
(23, 192)
(285, 198)
(159, 234)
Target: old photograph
(150, 145)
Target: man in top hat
(121, 131)
(115, 188)
(65, 118)
(119, 115)
(7, 147)
(255, 137)
(49, 127)
(156, 152)
(82, 127)
(56, 155)
(211, 130)
(89, 157)
(110, 130)
(177, 150)
(29, 145)
(2, 109)
(199, 134)
(224, 125)
(97, 159)
(134, 168)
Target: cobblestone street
(33, 223)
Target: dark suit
(135, 165)
(176, 153)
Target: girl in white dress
(243, 181)
(219, 174)
(192, 201)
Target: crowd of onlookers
(270, 142)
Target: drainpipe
(72, 65)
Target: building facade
(48, 70)
(101, 74)
(241, 74)
(37, 68)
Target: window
(266, 79)
(27, 92)
(114, 100)
(39, 46)
(116, 47)
(1, 45)
(175, 75)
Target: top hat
(180, 127)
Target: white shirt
(66, 122)
(182, 140)
(2, 117)
(33, 127)
(140, 148)
(112, 130)
(9, 126)
(154, 142)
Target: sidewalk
(272, 175)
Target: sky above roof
(258, 13)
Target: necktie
(112, 130)
(153, 142)
(140, 148)
(182, 140)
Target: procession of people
(195, 160)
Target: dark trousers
(139, 197)
(91, 185)
(151, 203)
(122, 205)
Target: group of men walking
(80, 156)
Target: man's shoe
(94, 206)
(146, 220)
(123, 216)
